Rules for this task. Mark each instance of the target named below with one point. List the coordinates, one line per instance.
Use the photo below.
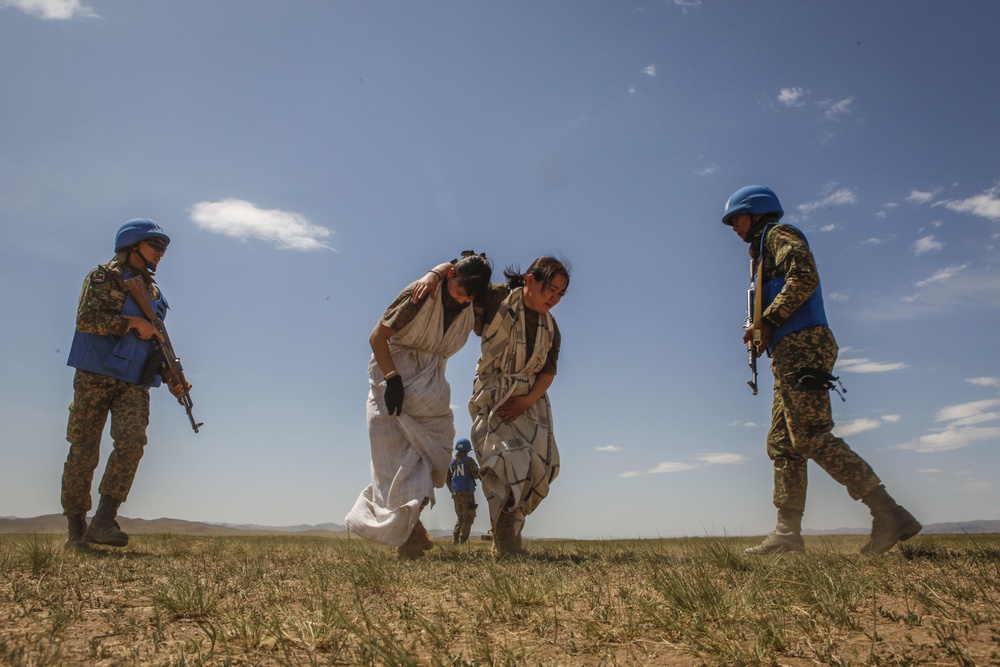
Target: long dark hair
(473, 273)
(544, 269)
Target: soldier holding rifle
(788, 321)
(119, 353)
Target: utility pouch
(816, 379)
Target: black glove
(394, 395)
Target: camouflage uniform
(801, 418)
(465, 501)
(95, 395)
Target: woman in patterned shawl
(511, 414)
(410, 422)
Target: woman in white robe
(410, 423)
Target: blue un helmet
(463, 445)
(139, 229)
(753, 200)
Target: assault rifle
(753, 322)
(164, 361)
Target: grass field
(179, 600)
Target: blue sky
(311, 158)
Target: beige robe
(411, 451)
(520, 459)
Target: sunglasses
(157, 245)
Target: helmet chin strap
(150, 266)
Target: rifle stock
(170, 364)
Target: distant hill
(947, 528)
(56, 523)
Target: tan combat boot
(891, 523)
(785, 538)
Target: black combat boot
(103, 528)
(77, 527)
(786, 536)
(891, 523)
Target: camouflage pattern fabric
(94, 396)
(465, 510)
(802, 420)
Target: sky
(311, 158)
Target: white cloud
(790, 97)
(919, 197)
(608, 448)
(630, 473)
(943, 274)
(828, 228)
(869, 366)
(837, 297)
(984, 381)
(243, 220)
(632, 90)
(838, 198)
(853, 427)
(892, 419)
(670, 466)
(60, 10)
(687, 4)
(969, 413)
(951, 439)
(746, 424)
(962, 431)
(986, 205)
(721, 459)
(834, 110)
(976, 486)
(930, 471)
(926, 244)
(649, 70)
(707, 171)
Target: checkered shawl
(411, 451)
(519, 459)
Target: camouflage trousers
(465, 509)
(94, 396)
(802, 421)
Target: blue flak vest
(121, 357)
(461, 480)
(810, 314)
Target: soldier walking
(462, 475)
(113, 353)
(792, 328)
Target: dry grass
(173, 601)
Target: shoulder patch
(98, 276)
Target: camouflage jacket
(786, 254)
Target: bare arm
(379, 340)
(427, 285)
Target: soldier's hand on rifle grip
(144, 329)
(178, 389)
(766, 330)
(394, 395)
